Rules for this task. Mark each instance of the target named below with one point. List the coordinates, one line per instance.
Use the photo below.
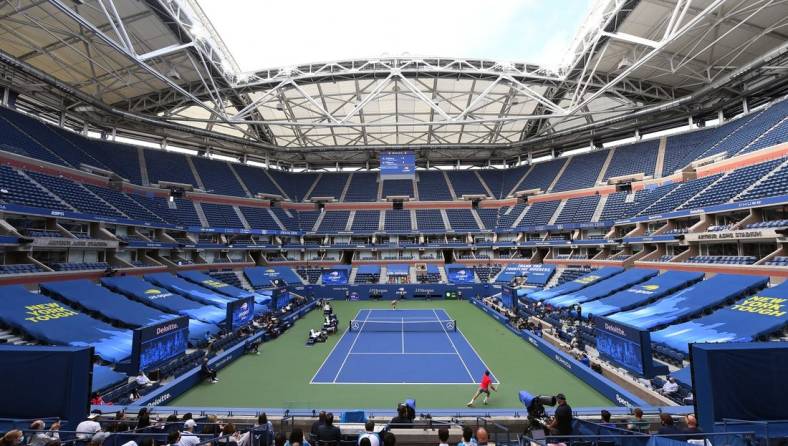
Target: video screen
(240, 313)
(162, 348)
(622, 351)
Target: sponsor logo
(620, 400)
(159, 399)
(152, 291)
(563, 361)
(614, 329)
(166, 328)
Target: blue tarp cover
(754, 316)
(104, 377)
(54, 323)
(84, 294)
(261, 276)
(397, 269)
(368, 269)
(575, 285)
(693, 300)
(262, 300)
(645, 292)
(188, 289)
(147, 293)
(604, 288)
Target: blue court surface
(402, 347)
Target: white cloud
(264, 34)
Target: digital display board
(625, 346)
(335, 277)
(397, 165)
(160, 342)
(240, 313)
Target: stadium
(396, 250)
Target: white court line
(402, 329)
(396, 384)
(400, 354)
(478, 355)
(358, 335)
(347, 330)
(454, 347)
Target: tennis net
(405, 325)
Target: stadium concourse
(574, 254)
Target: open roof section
(157, 67)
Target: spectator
(229, 436)
(670, 387)
(297, 438)
(401, 421)
(389, 439)
(212, 426)
(605, 415)
(467, 437)
(692, 431)
(143, 380)
(369, 432)
(321, 420)
(173, 438)
(280, 439)
(40, 437)
(99, 438)
(482, 438)
(263, 431)
(143, 418)
(562, 419)
(666, 425)
(206, 370)
(443, 436)
(86, 429)
(364, 442)
(328, 434)
(585, 360)
(13, 437)
(188, 438)
(637, 423)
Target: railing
(644, 439)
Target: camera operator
(561, 424)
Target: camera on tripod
(535, 405)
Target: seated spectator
(297, 438)
(143, 418)
(280, 439)
(173, 438)
(263, 431)
(585, 360)
(229, 436)
(401, 421)
(88, 428)
(369, 434)
(692, 431)
(467, 437)
(389, 439)
(605, 415)
(637, 423)
(328, 434)
(321, 420)
(443, 436)
(39, 437)
(12, 438)
(188, 438)
(666, 425)
(207, 371)
(670, 387)
(482, 438)
(143, 380)
(97, 400)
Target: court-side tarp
(220, 287)
(187, 289)
(693, 300)
(764, 313)
(604, 288)
(160, 298)
(261, 276)
(55, 323)
(97, 300)
(577, 284)
(104, 377)
(641, 294)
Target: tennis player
(484, 387)
(394, 303)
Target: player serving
(484, 387)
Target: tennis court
(412, 346)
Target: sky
(269, 34)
